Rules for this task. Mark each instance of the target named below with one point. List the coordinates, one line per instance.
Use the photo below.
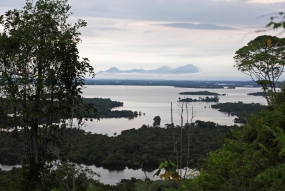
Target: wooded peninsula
(104, 109)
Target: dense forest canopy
(148, 145)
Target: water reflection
(8, 167)
(112, 176)
(155, 100)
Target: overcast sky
(149, 34)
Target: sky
(149, 34)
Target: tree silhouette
(156, 121)
(41, 79)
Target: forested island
(200, 93)
(201, 99)
(257, 94)
(240, 109)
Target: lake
(156, 101)
(153, 101)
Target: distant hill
(189, 68)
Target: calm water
(8, 167)
(156, 100)
(153, 101)
(114, 176)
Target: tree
(41, 79)
(170, 171)
(251, 158)
(273, 24)
(156, 121)
(69, 176)
(263, 60)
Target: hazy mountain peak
(189, 68)
(113, 70)
(163, 67)
(185, 69)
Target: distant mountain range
(189, 68)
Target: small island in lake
(257, 94)
(199, 93)
(206, 99)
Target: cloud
(111, 29)
(198, 26)
(235, 12)
(151, 33)
(267, 1)
(9, 5)
(220, 12)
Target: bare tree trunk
(174, 139)
(73, 180)
(190, 128)
(189, 137)
(187, 111)
(171, 115)
(181, 139)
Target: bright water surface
(153, 101)
(156, 100)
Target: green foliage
(170, 171)
(62, 179)
(251, 158)
(10, 180)
(156, 121)
(104, 109)
(159, 185)
(206, 99)
(146, 146)
(68, 176)
(279, 24)
(199, 93)
(257, 94)
(240, 109)
(133, 184)
(168, 166)
(280, 97)
(263, 60)
(41, 79)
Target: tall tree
(156, 121)
(41, 79)
(263, 60)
